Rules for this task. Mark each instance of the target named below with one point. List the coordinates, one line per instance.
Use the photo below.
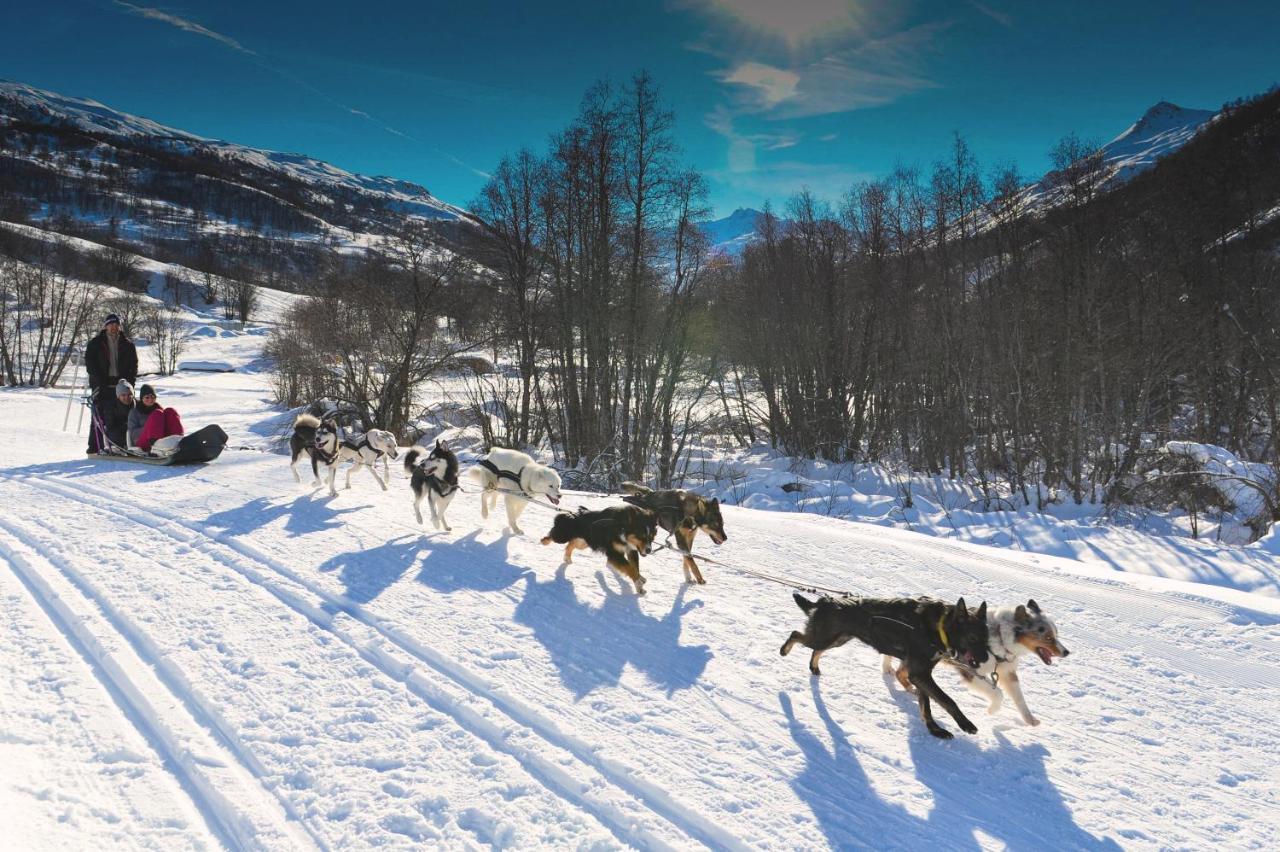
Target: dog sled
(199, 447)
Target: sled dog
(920, 632)
(1012, 634)
(433, 474)
(681, 513)
(621, 533)
(364, 451)
(319, 440)
(517, 477)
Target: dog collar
(942, 632)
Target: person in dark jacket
(115, 415)
(108, 358)
(149, 421)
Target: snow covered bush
(1203, 479)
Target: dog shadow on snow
(1005, 792)
(463, 563)
(592, 645)
(303, 515)
(367, 573)
(466, 563)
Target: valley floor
(216, 656)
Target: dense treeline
(927, 318)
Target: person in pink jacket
(150, 421)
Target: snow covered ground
(217, 656)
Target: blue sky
(769, 96)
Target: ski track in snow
(322, 614)
(245, 662)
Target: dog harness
(502, 474)
(942, 632)
(362, 443)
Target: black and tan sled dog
(621, 533)
(920, 632)
(681, 513)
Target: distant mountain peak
(1162, 129)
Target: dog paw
(968, 727)
(1031, 720)
(940, 732)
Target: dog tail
(411, 458)
(563, 529)
(308, 420)
(636, 488)
(804, 603)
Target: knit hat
(110, 319)
(123, 387)
(146, 390)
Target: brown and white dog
(1013, 634)
(681, 513)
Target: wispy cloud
(870, 74)
(792, 22)
(184, 24)
(743, 147)
(227, 41)
(1004, 19)
(777, 182)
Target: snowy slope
(91, 116)
(1162, 129)
(220, 656)
(731, 234)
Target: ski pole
(75, 382)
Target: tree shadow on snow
(1005, 792)
(303, 516)
(365, 574)
(467, 563)
(591, 646)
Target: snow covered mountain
(87, 170)
(1162, 129)
(732, 233)
(20, 102)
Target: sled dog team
(913, 635)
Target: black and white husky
(433, 475)
(318, 439)
(1012, 634)
(517, 477)
(364, 451)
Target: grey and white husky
(433, 475)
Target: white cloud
(741, 156)
(1004, 19)
(770, 86)
(777, 182)
(184, 24)
(793, 22)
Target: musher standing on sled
(109, 357)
